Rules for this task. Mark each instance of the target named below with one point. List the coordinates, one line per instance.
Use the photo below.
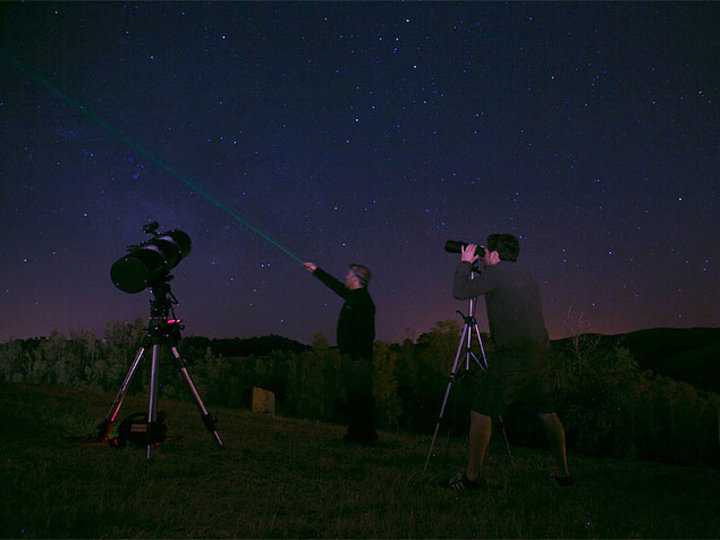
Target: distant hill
(684, 354)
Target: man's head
(506, 245)
(358, 276)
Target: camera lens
(455, 246)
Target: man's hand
(467, 253)
(311, 267)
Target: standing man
(355, 336)
(520, 366)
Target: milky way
(359, 132)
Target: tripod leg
(452, 377)
(484, 365)
(204, 414)
(507, 443)
(104, 427)
(152, 406)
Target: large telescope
(150, 263)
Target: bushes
(313, 385)
(675, 423)
(609, 408)
(597, 400)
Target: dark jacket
(514, 309)
(356, 324)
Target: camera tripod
(470, 328)
(161, 330)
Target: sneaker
(460, 483)
(561, 480)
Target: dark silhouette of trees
(610, 404)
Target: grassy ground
(286, 478)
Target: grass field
(287, 478)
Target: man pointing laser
(355, 336)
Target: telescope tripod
(465, 346)
(161, 330)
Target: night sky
(359, 132)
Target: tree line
(609, 406)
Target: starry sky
(359, 132)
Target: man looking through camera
(520, 366)
(355, 336)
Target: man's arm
(334, 284)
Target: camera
(149, 264)
(454, 246)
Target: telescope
(148, 264)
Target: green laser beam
(127, 140)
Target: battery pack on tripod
(137, 430)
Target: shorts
(500, 388)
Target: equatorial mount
(163, 325)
